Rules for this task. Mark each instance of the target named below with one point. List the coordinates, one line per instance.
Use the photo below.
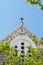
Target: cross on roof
(21, 18)
(22, 23)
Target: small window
(22, 47)
(22, 30)
(22, 43)
(15, 46)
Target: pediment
(21, 30)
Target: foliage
(42, 40)
(33, 56)
(33, 37)
(36, 2)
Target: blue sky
(12, 10)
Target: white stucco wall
(25, 39)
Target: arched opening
(22, 43)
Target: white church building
(21, 37)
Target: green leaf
(36, 1)
(27, 1)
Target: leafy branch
(36, 2)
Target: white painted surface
(25, 39)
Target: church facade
(21, 38)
